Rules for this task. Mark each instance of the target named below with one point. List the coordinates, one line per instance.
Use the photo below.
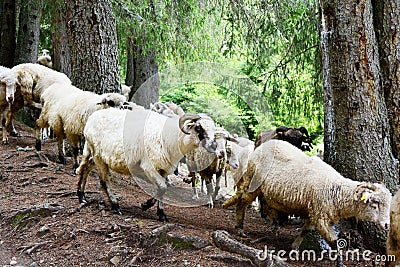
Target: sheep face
(232, 151)
(374, 204)
(9, 89)
(113, 100)
(201, 126)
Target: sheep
(45, 59)
(206, 164)
(175, 108)
(66, 109)
(162, 109)
(126, 90)
(239, 157)
(29, 81)
(296, 136)
(294, 183)
(7, 108)
(142, 143)
(393, 240)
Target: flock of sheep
(150, 143)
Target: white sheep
(29, 81)
(175, 108)
(126, 90)
(45, 59)
(7, 108)
(294, 183)
(141, 143)
(206, 164)
(66, 109)
(162, 109)
(393, 240)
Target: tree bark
(93, 40)
(28, 31)
(59, 38)
(7, 32)
(361, 139)
(386, 22)
(142, 74)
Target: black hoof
(116, 209)
(38, 145)
(148, 204)
(75, 167)
(161, 215)
(14, 134)
(81, 197)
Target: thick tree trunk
(361, 139)
(7, 32)
(361, 136)
(142, 74)
(59, 38)
(93, 39)
(28, 31)
(386, 22)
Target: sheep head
(10, 84)
(112, 100)
(201, 125)
(374, 203)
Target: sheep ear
(363, 192)
(232, 139)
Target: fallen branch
(31, 248)
(224, 241)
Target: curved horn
(184, 118)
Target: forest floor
(41, 225)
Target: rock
(115, 260)
(13, 261)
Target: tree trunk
(386, 22)
(361, 140)
(142, 74)
(7, 32)
(28, 31)
(59, 38)
(93, 39)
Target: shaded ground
(41, 226)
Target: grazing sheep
(126, 90)
(66, 110)
(175, 108)
(29, 81)
(393, 241)
(162, 109)
(7, 106)
(294, 183)
(142, 143)
(239, 156)
(207, 165)
(45, 59)
(296, 136)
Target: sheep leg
(61, 153)
(210, 191)
(5, 136)
(241, 205)
(83, 172)
(306, 228)
(217, 186)
(74, 142)
(160, 212)
(329, 235)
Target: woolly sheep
(66, 109)
(162, 108)
(393, 241)
(45, 59)
(30, 80)
(126, 90)
(296, 136)
(142, 143)
(206, 164)
(7, 106)
(175, 108)
(294, 183)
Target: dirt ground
(41, 225)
